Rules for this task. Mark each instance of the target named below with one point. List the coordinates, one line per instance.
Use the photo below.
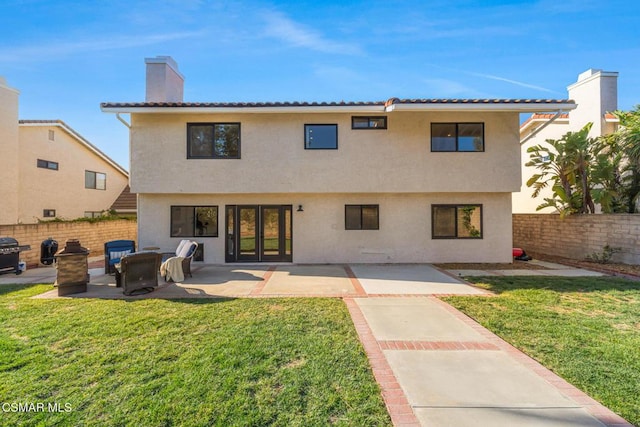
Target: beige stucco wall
(62, 190)
(274, 160)
(319, 235)
(8, 153)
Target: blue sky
(65, 57)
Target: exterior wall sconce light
(300, 209)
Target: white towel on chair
(171, 269)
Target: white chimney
(596, 93)
(165, 83)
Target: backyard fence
(578, 236)
(92, 235)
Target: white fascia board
(364, 109)
(513, 108)
(533, 123)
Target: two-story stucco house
(596, 96)
(401, 181)
(48, 170)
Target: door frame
(232, 234)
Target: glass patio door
(258, 233)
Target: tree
(565, 166)
(623, 151)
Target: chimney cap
(164, 59)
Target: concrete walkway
(435, 366)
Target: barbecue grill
(10, 255)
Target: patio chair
(138, 272)
(182, 257)
(115, 250)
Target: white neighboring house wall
(596, 96)
(42, 169)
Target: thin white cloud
(448, 88)
(513, 82)
(63, 49)
(281, 27)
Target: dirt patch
(517, 265)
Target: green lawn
(587, 330)
(245, 362)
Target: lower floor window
(92, 214)
(361, 217)
(49, 213)
(194, 221)
(456, 221)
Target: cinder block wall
(577, 236)
(91, 235)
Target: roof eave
(497, 107)
(253, 110)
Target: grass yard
(587, 330)
(244, 362)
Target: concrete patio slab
(413, 319)
(550, 265)
(573, 272)
(33, 275)
(469, 273)
(417, 279)
(472, 379)
(309, 279)
(506, 417)
(564, 272)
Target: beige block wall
(62, 190)
(9, 171)
(577, 236)
(319, 235)
(91, 235)
(396, 160)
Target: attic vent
(52, 135)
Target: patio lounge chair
(138, 272)
(179, 260)
(115, 250)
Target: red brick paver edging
(394, 398)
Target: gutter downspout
(124, 122)
(535, 132)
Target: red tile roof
(389, 102)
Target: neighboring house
(126, 204)
(596, 96)
(48, 170)
(401, 181)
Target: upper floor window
(95, 180)
(194, 221)
(321, 137)
(361, 217)
(457, 136)
(46, 164)
(52, 135)
(368, 122)
(213, 140)
(456, 221)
